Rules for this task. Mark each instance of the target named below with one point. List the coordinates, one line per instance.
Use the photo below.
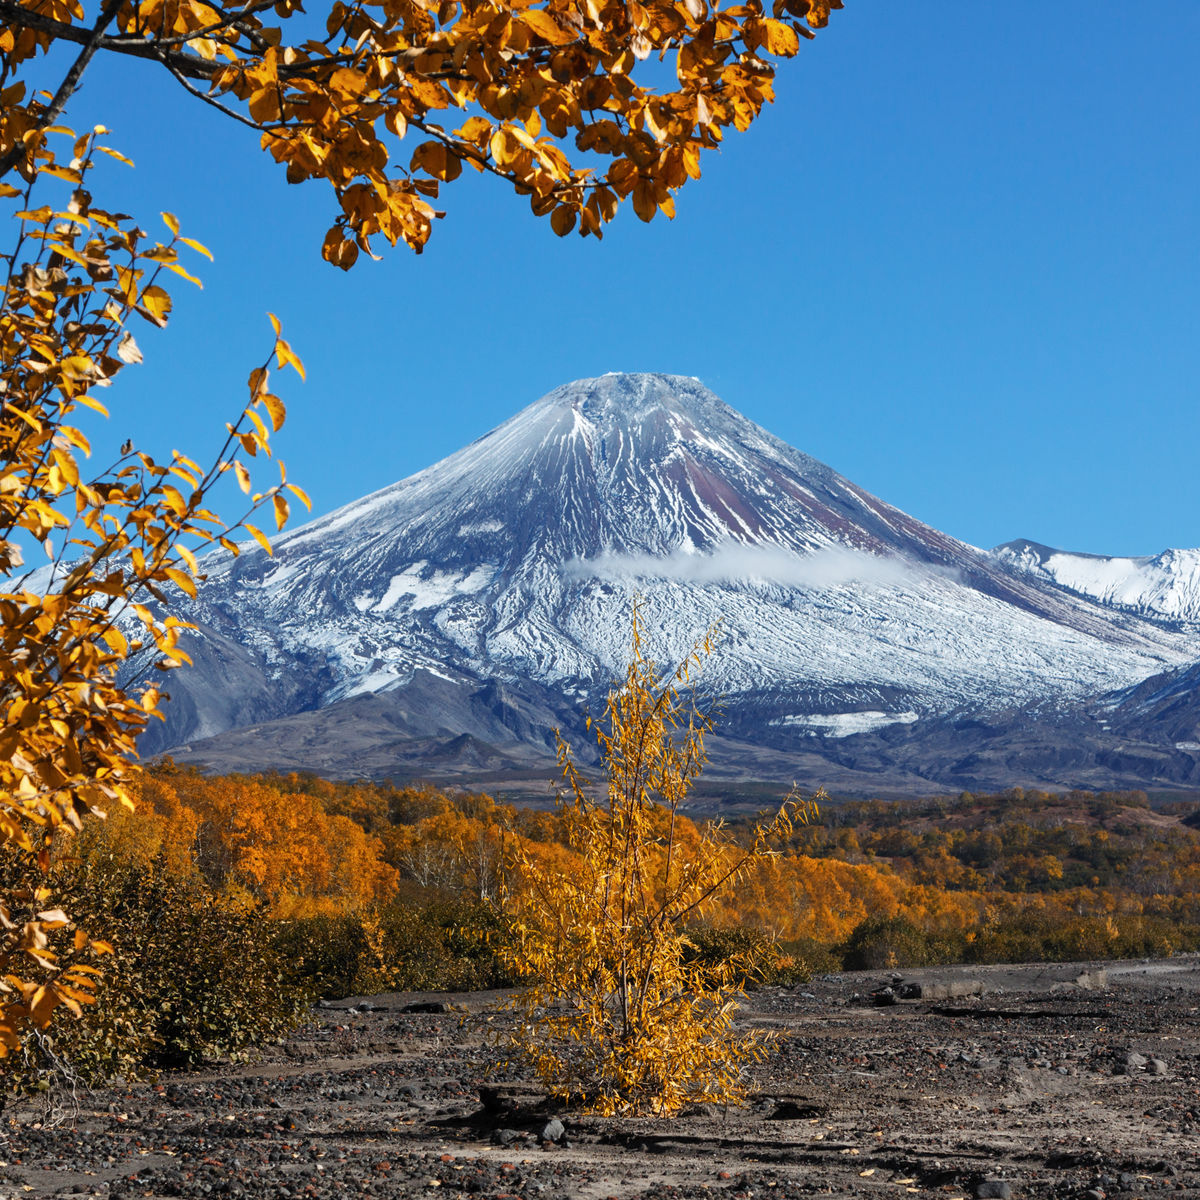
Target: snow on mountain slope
(517, 557)
(1165, 585)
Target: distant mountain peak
(1164, 586)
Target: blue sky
(957, 260)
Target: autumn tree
(114, 542)
(612, 1009)
(577, 104)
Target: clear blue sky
(958, 260)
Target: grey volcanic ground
(1038, 1081)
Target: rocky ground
(1079, 1081)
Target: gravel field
(1061, 1081)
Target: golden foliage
(565, 100)
(253, 841)
(117, 544)
(612, 1008)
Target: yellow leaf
(435, 159)
(275, 408)
(546, 27)
(182, 271)
(171, 222)
(260, 538)
(155, 304)
(348, 82)
(184, 581)
(287, 357)
(258, 382)
(116, 640)
(339, 250)
(780, 38)
(475, 129)
(115, 154)
(264, 104)
(243, 476)
(301, 494)
(195, 245)
(644, 203)
(257, 421)
(562, 220)
(281, 511)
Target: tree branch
(138, 46)
(66, 89)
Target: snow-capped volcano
(512, 565)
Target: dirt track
(1024, 1088)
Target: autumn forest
(233, 901)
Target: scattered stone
(949, 989)
(703, 1110)
(1156, 1066)
(553, 1130)
(994, 1189)
(1134, 1062)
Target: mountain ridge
(514, 560)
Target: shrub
(324, 956)
(799, 959)
(613, 1007)
(756, 955)
(446, 946)
(884, 942)
(192, 977)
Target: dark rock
(994, 1189)
(426, 1006)
(796, 1110)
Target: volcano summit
(445, 625)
